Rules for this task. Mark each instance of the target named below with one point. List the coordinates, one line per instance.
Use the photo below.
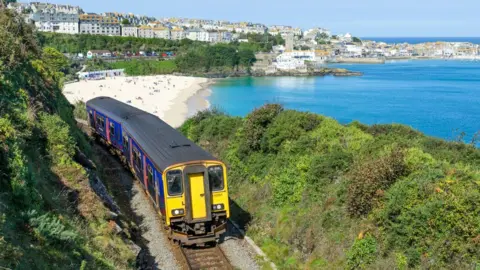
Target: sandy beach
(171, 98)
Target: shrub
(362, 253)
(51, 228)
(61, 145)
(433, 216)
(369, 181)
(256, 124)
(288, 125)
(324, 169)
(80, 110)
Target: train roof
(164, 145)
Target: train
(187, 185)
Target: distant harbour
(440, 98)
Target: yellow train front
(197, 206)
(186, 184)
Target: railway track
(205, 258)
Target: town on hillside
(302, 49)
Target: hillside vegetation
(192, 57)
(67, 43)
(315, 194)
(50, 218)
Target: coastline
(166, 96)
(191, 102)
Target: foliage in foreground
(317, 194)
(49, 216)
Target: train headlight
(219, 206)
(177, 212)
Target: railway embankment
(156, 250)
(50, 214)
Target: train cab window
(100, 122)
(215, 176)
(174, 183)
(150, 176)
(112, 129)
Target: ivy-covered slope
(49, 216)
(316, 194)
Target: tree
(246, 57)
(323, 36)
(356, 39)
(54, 59)
(125, 21)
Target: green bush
(256, 124)
(80, 110)
(298, 124)
(434, 216)
(51, 228)
(362, 253)
(61, 145)
(369, 181)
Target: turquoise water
(440, 98)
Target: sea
(440, 98)
(417, 40)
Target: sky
(367, 18)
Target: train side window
(125, 142)
(215, 176)
(90, 117)
(100, 121)
(150, 176)
(174, 183)
(137, 159)
(112, 129)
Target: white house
(353, 50)
(161, 32)
(129, 31)
(145, 31)
(294, 60)
(55, 18)
(177, 33)
(197, 34)
(95, 24)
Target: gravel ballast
(157, 251)
(238, 251)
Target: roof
(164, 145)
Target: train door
(138, 163)
(91, 120)
(197, 195)
(151, 182)
(161, 193)
(126, 148)
(101, 124)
